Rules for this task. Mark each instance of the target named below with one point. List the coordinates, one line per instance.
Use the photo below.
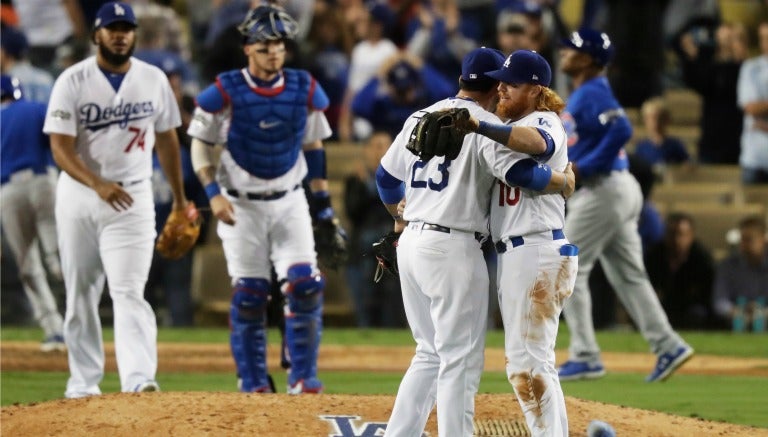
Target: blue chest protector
(267, 124)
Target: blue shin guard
(303, 326)
(248, 335)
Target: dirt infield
(235, 414)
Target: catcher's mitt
(330, 243)
(179, 233)
(385, 251)
(436, 134)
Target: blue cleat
(575, 370)
(669, 362)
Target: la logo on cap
(472, 76)
(534, 77)
(119, 10)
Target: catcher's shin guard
(248, 335)
(303, 289)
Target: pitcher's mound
(235, 414)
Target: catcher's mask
(267, 23)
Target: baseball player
(28, 196)
(266, 115)
(445, 219)
(106, 114)
(536, 264)
(603, 215)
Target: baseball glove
(179, 233)
(436, 134)
(330, 243)
(385, 251)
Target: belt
(437, 228)
(555, 234)
(268, 195)
(130, 183)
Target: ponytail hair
(548, 100)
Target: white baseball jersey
(443, 274)
(115, 134)
(534, 276)
(115, 130)
(213, 129)
(437, 191)
(518, 211)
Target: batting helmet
(267, 23)
(594, 43)
(11, 88)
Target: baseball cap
(403, 75)
(590, 41)
(14, 42)
(479, 61)
(10, 87)
(114, 12)
(524, 66)
(511, 22)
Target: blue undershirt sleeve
(529, 174)
(391, 189)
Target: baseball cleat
(575, 370)
(312, 385)
(146, 387)
(669, 362)
(53, 343)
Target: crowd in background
(380, 61)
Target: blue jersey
(597, 128)
(24, 145)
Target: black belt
(130, 183)
(269, 195)
(501, 246)
(433, 227)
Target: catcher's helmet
(11, 88)
(594, 43)
(267, 23)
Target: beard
(512, 110)
(113, 58)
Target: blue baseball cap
(10, 87)
(14, 42)
(590, 41)
(524, 66)
(403, 75)
(114, 12)
(479, 61)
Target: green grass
(734, 399)
(709, 343)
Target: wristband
(565, 181)
(212, 190)
(497, 132)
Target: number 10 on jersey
(508, 195)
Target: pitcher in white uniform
(442, 271)
(105, 116)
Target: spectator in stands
(511, 34)
(376, 304)
(330, 44)
(635, 30)
(659, 148)
(710, 58)
(753, 98)
(48, 26)
(404, 85)
(439, 36)
(37, 83)
(682, 272)
(169, 282)
(651, 225)
(368, 55)
(744, 274)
